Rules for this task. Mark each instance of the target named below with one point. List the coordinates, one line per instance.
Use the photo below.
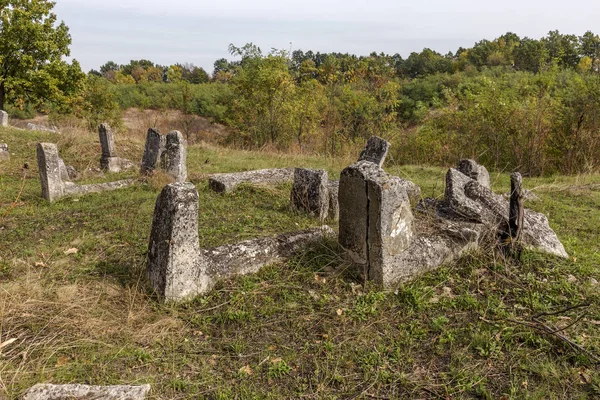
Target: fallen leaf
(72, 250)
(246, 370)
(276, 360)
(62, 361)
(339, 311)
(40, 264)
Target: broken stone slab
(468, 200)
(310, 192)
(227, 182)
(178, 269)
(43, 128)
(155, 145)
(375, 151)
(55, 179)
(333, 212)
(4, 153)
(474, 171)
(376, 221)
(3, 118)
(174, 156)
(87, 392)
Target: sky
(199, 32)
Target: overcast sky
(199, 32)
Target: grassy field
(75, 306)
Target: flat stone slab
(227, 182)
(43, 128)
(87, 392)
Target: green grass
(299, 329)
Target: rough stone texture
(86, 392)
(223, 183)
(107, 141)
(174, 157)
(4, 153)
(155, 145)
(310, 192)
(468, 200)
(375, 151)
(50, 174)
(376, 221)
(34, 127)
(334, 206)
(474, 171)
(3, 118)
(55, 176)
(178, 269)
(175, 268)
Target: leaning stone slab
(174, 156)
(223, 183)
(4, 153)
(375, 151)
(310, 192)
(474, 171)
(3, 118)
(155, 145)
(178, 269)
(87, 392)
(376, 221)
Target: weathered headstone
(173, 252)
(174, 156)
(3, 118)
(86, 392)
(376, 221)
(334, 205)
(375, 151)
(4, 153)
(107, 141)
(50, 171)
(474, 171)
(310, 192)
(155, 145)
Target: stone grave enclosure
(179, 269)
(55, 179)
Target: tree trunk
(2, 95)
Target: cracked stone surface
(87, 392)
(227, 182)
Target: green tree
(32, 46)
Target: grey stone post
(310, 192)
(50, 171)
(376, 221)
(375, 151)
(174, 157)
(155, 144)
(174, 259)
(3, 118)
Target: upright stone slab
(107, 141)
(334, 205)
(3, 118)
(174, 262)
(50, 171)
(174, 157)
(376, 221)
(155, 144)
(375, 151)
(474, 171)
(310, 192)
(4, 153)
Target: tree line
(510, 102)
